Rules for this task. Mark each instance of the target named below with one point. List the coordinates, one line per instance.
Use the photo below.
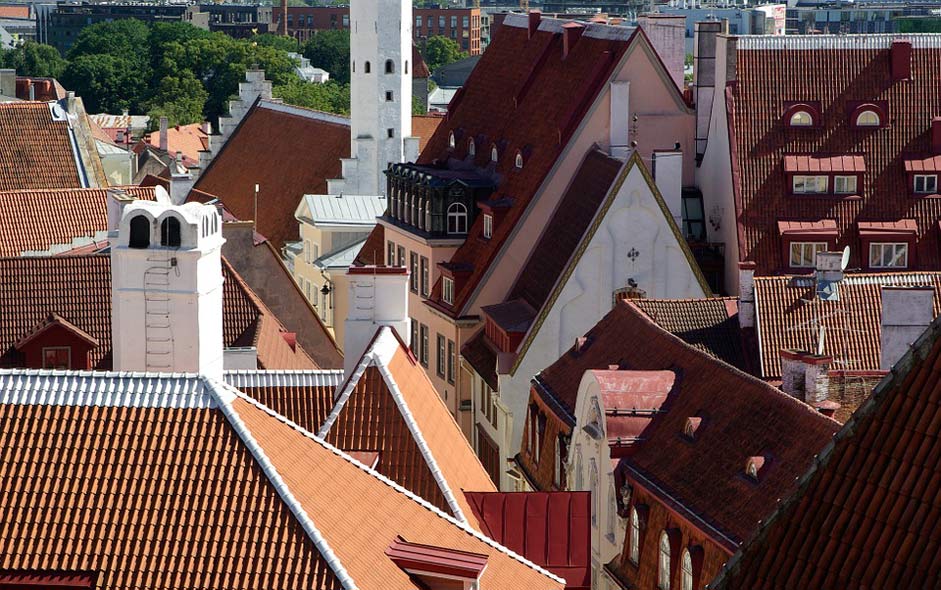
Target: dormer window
(457, 218)
(451, 140)
(844, 185)
(447, 290)
(868, 115)
(488, 226)
(692, 425)
(926, 184)
(754, 466)
(471, 147)
(494, 154)
(519, 160)
(868, 119)
(804, 185)
(801, 119)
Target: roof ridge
(402, 490)
(224, 394)
(286, 377)
(299, 111)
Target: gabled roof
(839, 73)
(39, 219)
(78, 289)
(789, 315)
(304, 397)
(552, 529)
(261, 503)
(389, 405)
(741, 417)
(355, 210)
(865, 514)
(373, 250)
(55, 320)
(711, 324)
(36, 149)
(522, 96)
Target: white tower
(166, 289)
(380, 95)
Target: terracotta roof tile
(865, 514)
(35, 151)
(768, 80)
(551, 529)
(741, 417)
(711, 325)
(522, 95)
(424, 126)
(788, 316)
(187, 139)
(35, 220)
(304, 397)
(78, 288)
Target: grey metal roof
(345, 209)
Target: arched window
(635, 536)
(457, 218)
(612, 512)
(579, 477)
(595, 493)
(519, 160)
(801, 119)
(354, 66)
(494, 154)
(686, 571)
(205, 226)
(140, 232)
(406, 66)
(868, 118)
(170, 232)
(471, 147)
(366, 67)
(663, 569)
(390, 66)
(559, 463)
(451, 141)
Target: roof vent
(534, 17)
(901, 60)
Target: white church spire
(380, 95)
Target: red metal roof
(436, 560)
(876, 228)
(866, 514)
(808, 163)
(522, 95)
(631, 400)
(551, 529)
(822, 227)
(929, 164)
(767, 80)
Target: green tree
(106, 83)
(331, 97)
(33, 59)
(179, 98)
(330, 50)
(287, 44)
(441, 51)
(418, 107)
(127, 39)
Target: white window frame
(801, 118)
(849, 182)
(447, 290)
(457, 213)
(635, 537)
(488, 225)
(926, 181)
(799, 184)
(801, 262)
(898, 249)
(663, 562)
(519, 160)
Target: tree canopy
(33, 59)
(441, 51)
(330, 50)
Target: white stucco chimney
(619, 123)
(378, 297)
(906, 313)
(181, 181)
(746, 294)
(164, 134)
(668, 174)
(166, 289)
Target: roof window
(494, 153)
(801, 118)
(519, 160)
(471, 147)
(868, 116)
(451, 141)
(802, 115)
(754, 466)
(692, 425)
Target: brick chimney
(805, 376)
(906, 313)
(378, 296)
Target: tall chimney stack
(164, 138)
(906, 313)
(378, 297)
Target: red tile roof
(838, 72)
(14, 11)
(424, 126)
(78, 288)
(522, 95)
(419, 67)
(37, 219)
(35, 151)
(551, 529)
(741, 417)
(788, 316)
(302, 396)
(373, 251)
(866, 514)
(288, 152)
(187, 139)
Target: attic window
(471, 147)
(494, 154)
(801, 118)
(692, 425)
(519, 160)
(868, 115)
(451, 141)
(868, 119)
(753, 467)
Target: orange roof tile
(424, 126)
(37, 219)
(187, 139)
(35, 151)
(866, 514)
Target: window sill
(926, 196)
(828, 196)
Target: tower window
(663, 570)
(170, 232)
(390, 66)
(388, 96)
(140, 232)
(519, 160)
(406, 66)
(366, 67)
(354, 66)
(390, 132)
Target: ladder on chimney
(158, 333)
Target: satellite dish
(846, 258)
